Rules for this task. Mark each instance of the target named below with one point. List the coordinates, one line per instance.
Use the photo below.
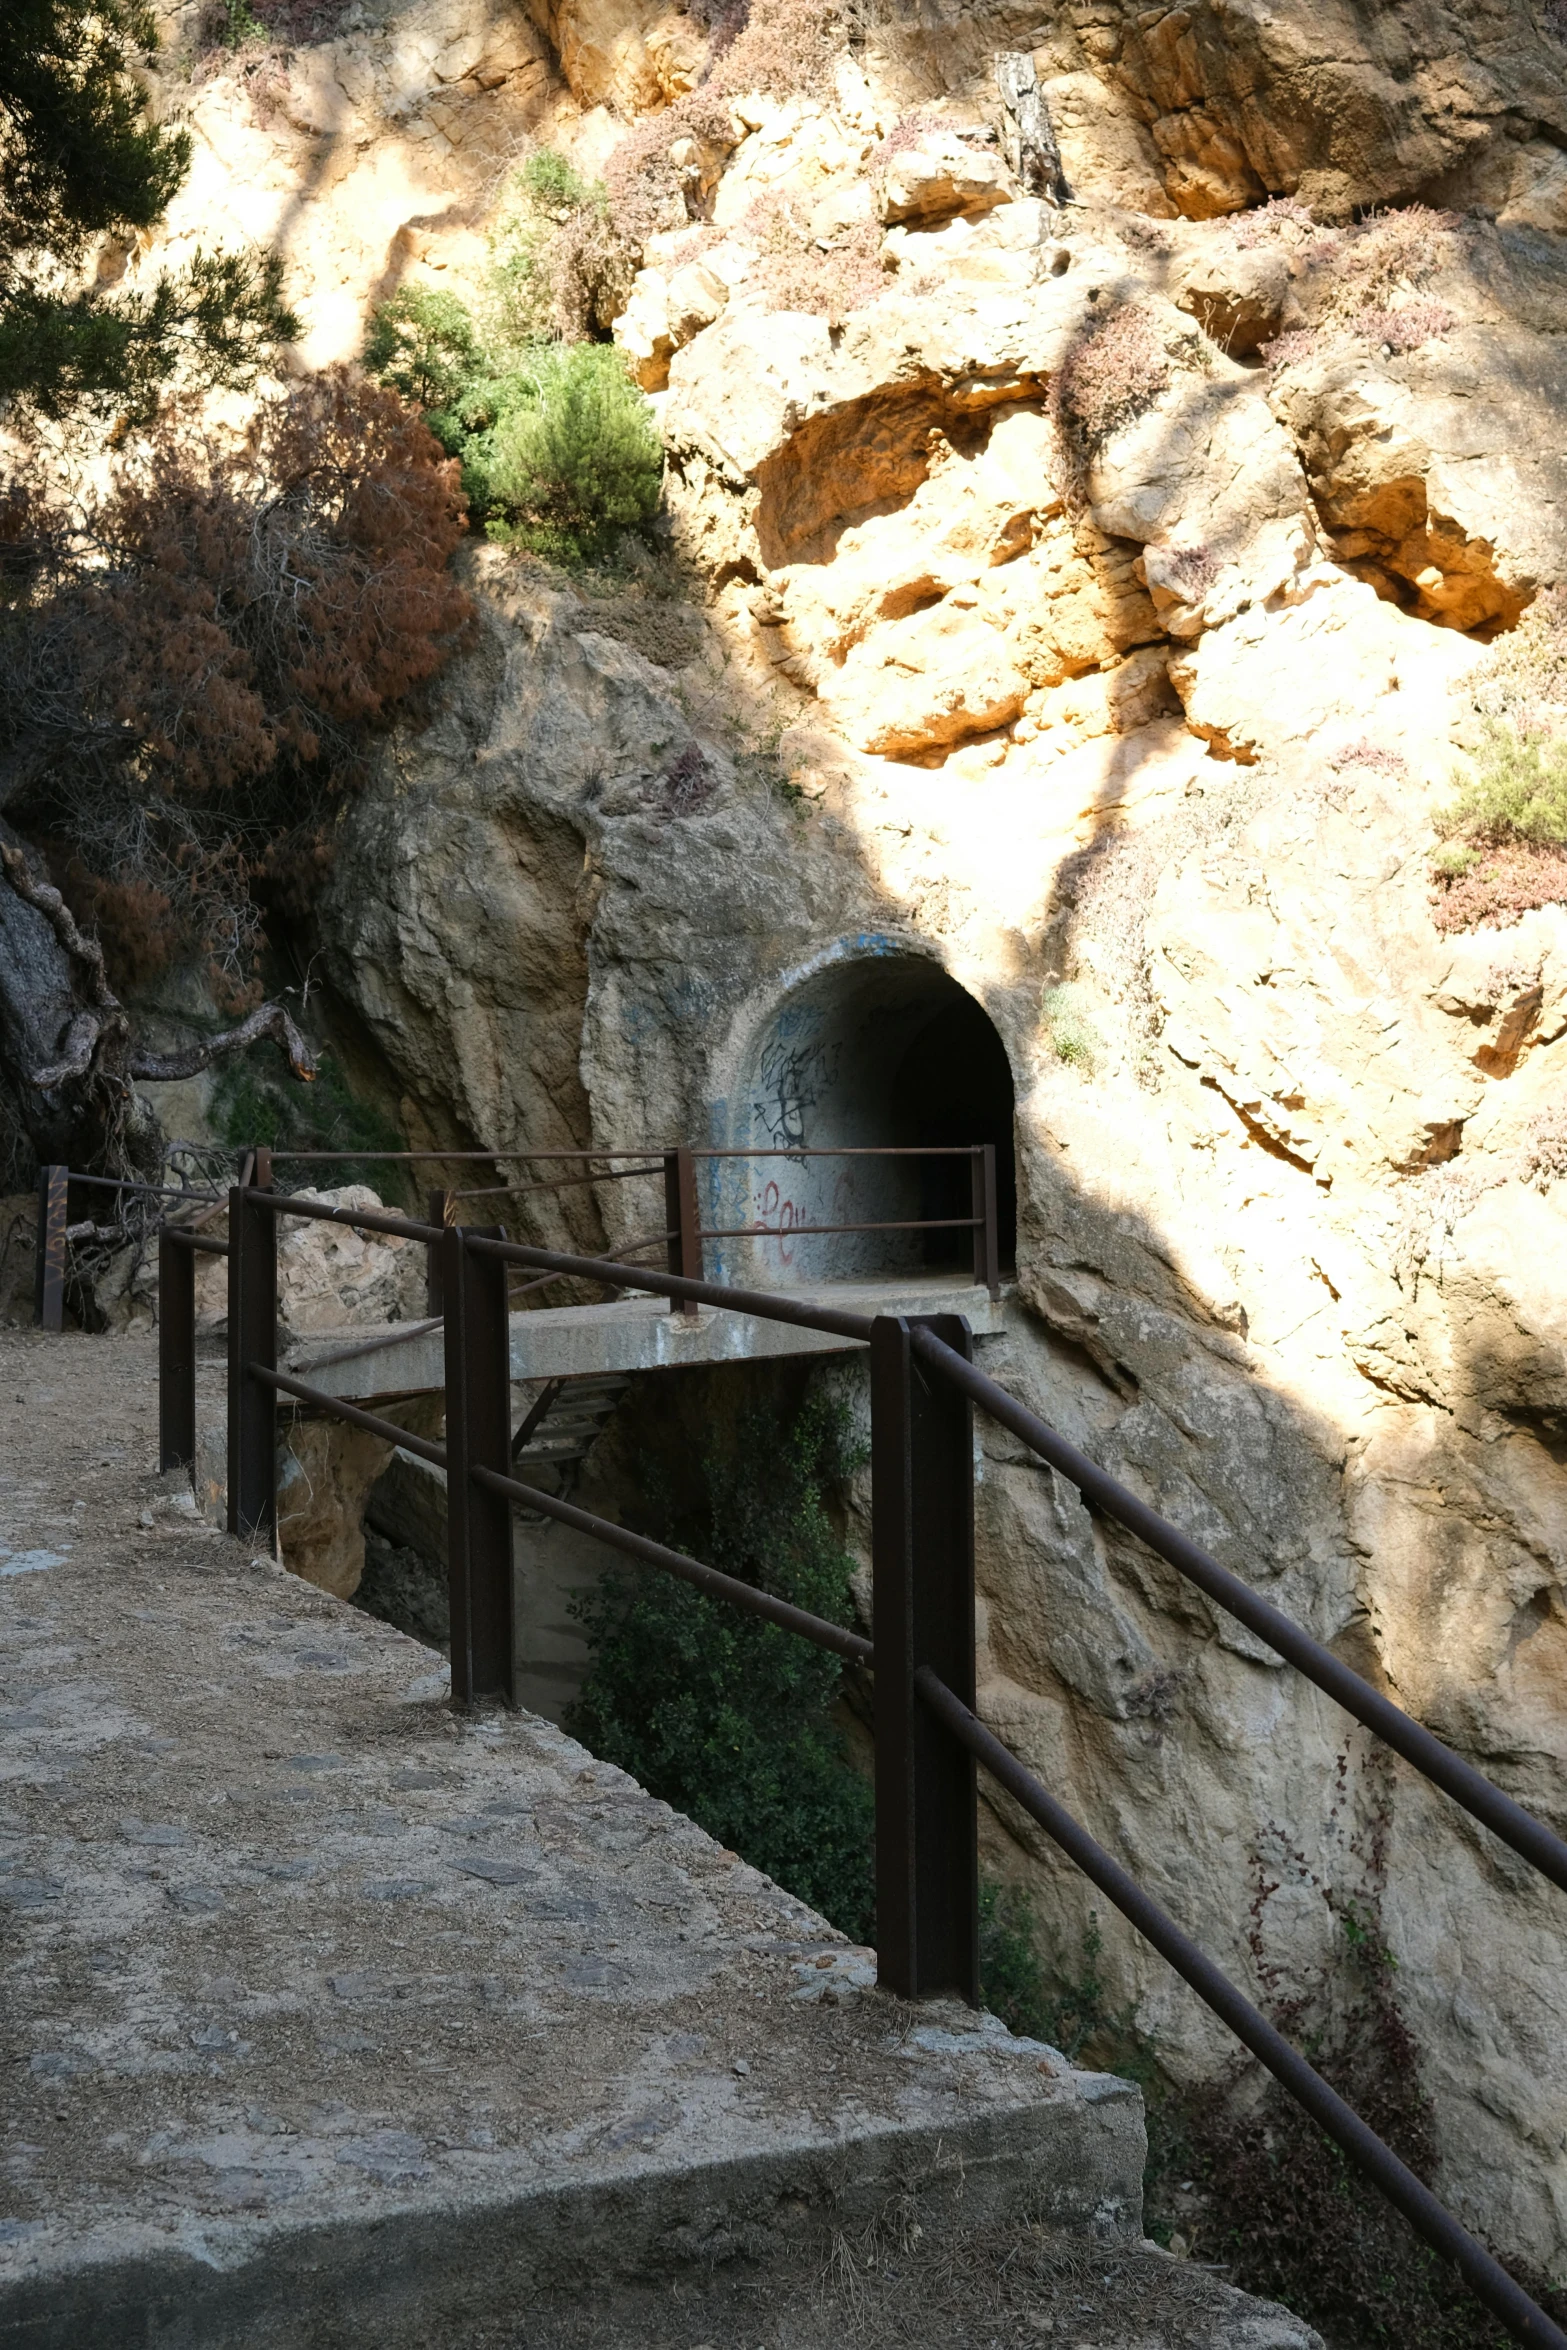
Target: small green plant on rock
(1505, 849)
(559, 266)
(1072, 1034)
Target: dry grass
(1543, 1160)
(1507, 846)
(1359, 284)
(786, 51)
(1404, 328)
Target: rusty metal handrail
(1481, 2271)
(794, 1231)
(425, 1446)
(922, 1471)
(183, 1238)
(718, 1585)
(1528, 1837)
(767, 1305)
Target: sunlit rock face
(1114, 674)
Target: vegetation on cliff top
(191, 655)
(80, 161)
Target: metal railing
(929, 1740)
(680, 1238)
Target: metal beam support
(922, 1549)
(440, 1210)
(252, 1463)
(176, 1353)
(987, 1238)
(49, 1252)
(478, 1435)
(683, 1222)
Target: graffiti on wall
(793, 1079)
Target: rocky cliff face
(1057, 639)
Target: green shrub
(424, 345)
(1073, 1036)
(725, 1716)
(1519, 791)
(558, 448)
(582, 461)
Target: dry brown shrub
(784, 51)
(793, 272)
(1116, 370)
(1505, 882)
(194, 655)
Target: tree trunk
(67, 1055)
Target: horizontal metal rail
(399, 1335)
(1484, 2275)
(382, 1158)
(767, 1305)
(339, 1410)
(855, 1150)
(793, 1231)
(674, 1562)
(288, 1203)
(196, 1240)
(560, 1183)
(1498, 1812)
(145, 1190)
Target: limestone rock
(941, 175)
(325, 1472)
(1443, 472)
(329, 1275)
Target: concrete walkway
(332, 2019)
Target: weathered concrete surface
(631, 1334)
(297, 1956)
(332, 2018)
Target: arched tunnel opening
(873, 1053)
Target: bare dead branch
(81, 1042)
(266, 1020)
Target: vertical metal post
(252, 1463)
(987, 1238)
(683, 1221)
(176, 1353)
(478, 1435)
(438, 1209)
(49, 1255)
(261, 1177)
(922, 1550)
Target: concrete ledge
(417, 2272)
(632, 1334)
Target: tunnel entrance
(873, 1051)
